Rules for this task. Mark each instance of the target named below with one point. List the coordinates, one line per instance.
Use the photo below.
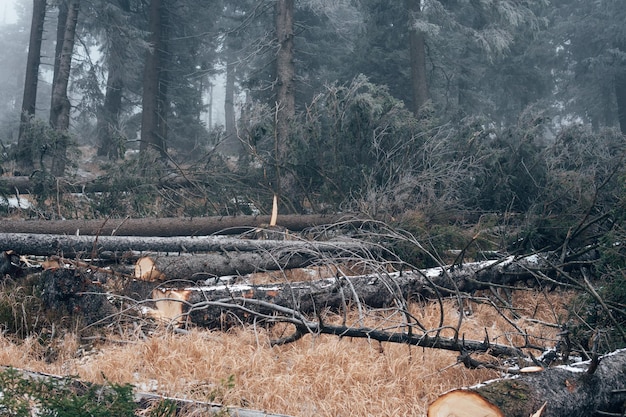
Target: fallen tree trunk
(569, 391)
(119, 246)
(201, 267)
(183, 301)
(197, 226)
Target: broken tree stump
(566, 391)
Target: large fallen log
(566, 391)
(196, 226)
(181, 301)
(72, 245)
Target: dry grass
(316, 376)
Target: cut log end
(145, 270)
(462, 403)
(170, 305)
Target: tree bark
(150, 123)
(197, 226)
(183, 301)
(285, 79)
(108, 115)
(417, 54)
(566, 392)
(60, 105)
(620, 93)
(232, 145)
(25, 151)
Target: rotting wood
(566, 391)
(196, 226)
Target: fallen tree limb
(143, 400)
(196, 226)
(566, 391)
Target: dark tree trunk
(232, 145)
(285, 79)
(60, 104)
(151, 125)
(620, 93)
(417, 54)
(25, 151)
(108, 115)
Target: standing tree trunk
(60, 104)
(419, 84)
(285, 79)
(108, 115)
(232, 145)
(151, 128)
(620, 93)
(25, 148)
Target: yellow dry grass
(315, 376)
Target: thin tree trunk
(151, 102)
(25, 151)
(620, 93)
(60, 104)
(417, 53)
(232, 145)
(285, 74)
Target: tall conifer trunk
(232, 145)
(60, 104)
(620, 94)
(285, 79)
(25, 151)
(109, 112)
(417, 53)
(153, 94)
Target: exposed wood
(564, 391)
(197, 226)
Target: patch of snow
(15, 202)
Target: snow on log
(566, 391)
(373, 290)
(196, 226)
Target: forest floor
(318, 375)
(315, 376)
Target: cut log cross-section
(564, 392)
